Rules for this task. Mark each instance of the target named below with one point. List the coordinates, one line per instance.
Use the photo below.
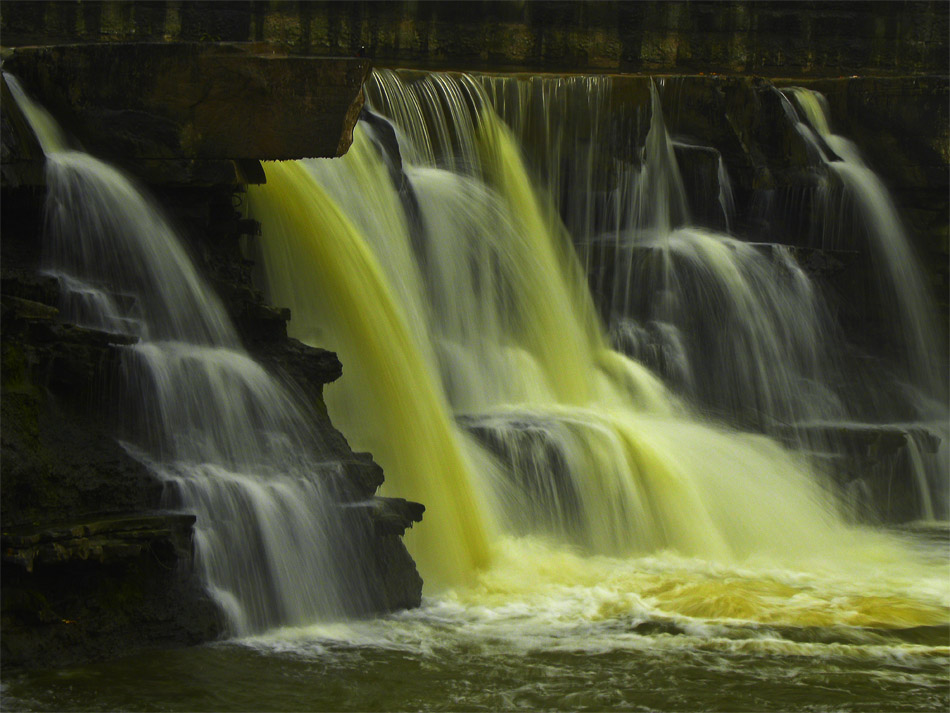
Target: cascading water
(590, 541)
(411, 421)
(859, 197)
(855, 211)
(672, 292)
(738, 328)
(232, 444)
(432, 264)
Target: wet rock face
(903, 130)
(87, 590)
(90, 569)
(98, 585)
(873, 467)
(57, 456)
(107, 541)
(78, 582)
(221, 242)
(899, 124)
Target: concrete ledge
(207, 102)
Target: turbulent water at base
(548, 629)
(231, 443)
(533, 334)
(580, 507)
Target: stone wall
(779, 39)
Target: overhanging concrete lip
(175, 101)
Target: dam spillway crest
(660, 359)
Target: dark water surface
(656, 633)
(230, 677)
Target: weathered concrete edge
(181, 113)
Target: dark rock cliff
(94, 564)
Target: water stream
(589, 470)
(232, 444)
(616, 418)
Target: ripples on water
(567, 632)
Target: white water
(442, 274)
(855, 211)
(859, 198)
(650, 515)
(233, 446)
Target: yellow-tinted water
(343, 293)
(548, 629)
(581, 508)
(686, 565)
(647, 476)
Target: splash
(440, 272)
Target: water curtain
(232, 444)
(449, 283)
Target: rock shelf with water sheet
(612, 459)
(71, 341)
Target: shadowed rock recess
(97, 560)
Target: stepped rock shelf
(193, 121)
(93, 566)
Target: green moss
(21, 417)
(14, 369)
(124, 592)
(28, 603)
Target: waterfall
(344, 300)
(541, 345)
(478, 368)
(859, 197)
(661, 466)
(232, 444)
(854, 210)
